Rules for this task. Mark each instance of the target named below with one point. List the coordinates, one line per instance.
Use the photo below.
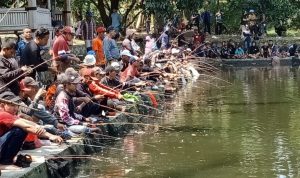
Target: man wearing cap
(61, 62)
(31, 55)
(14, 129)
(111, 50)
(125, 57)
(98, 47)
(129, 43)
(88, 30)
(65, 105)
(131, 71)
(31, 95)
(8, 71)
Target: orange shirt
(98, 48)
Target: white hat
(175, 51)
(251, 11)
(126, 53)
(89, 60)
(116, 65)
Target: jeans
(10, 144)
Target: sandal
(23, 161)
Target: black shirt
(31, 55)
(253, 50)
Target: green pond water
(250, 128)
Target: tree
(130, 7)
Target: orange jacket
(100, 89)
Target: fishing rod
(25, 73)
(127, 113)
(17, 104)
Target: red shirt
(6, 122)
(130, 71)
(60, 44)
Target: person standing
(111, 50)
(31, 55)
(219, 23)
(165, 40)
(206, 21)
(27, 37)
(88, 30)
(61, 45)
(116, 20)
(98, 47)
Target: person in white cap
(89, 61)
(125, 57)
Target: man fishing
(14, 129)
(9, 72)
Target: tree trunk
(101, 8)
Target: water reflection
(250, 128)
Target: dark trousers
(91, 108)
(10, 144)
(206, 27)
(219, 29)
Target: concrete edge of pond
(233, 63)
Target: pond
(249, 128)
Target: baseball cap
(89, 60)
(116, 65)
(110, 28)
(251, 10)
(87, 72)
(7, 95)
(126, 53)
(91, 52)
(98, 70)
(110, 69)
(69, 78)
(69, 29)
(26, 82)
(101, 30)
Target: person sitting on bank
(239, 52)
(31, 95)
(14, 129)
(65, 107)
(253, 51)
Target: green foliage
(159, 8)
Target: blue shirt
(21, 46)
(239, 51)
(116, 21)
(165, 41)
(111, 50)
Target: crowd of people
(81, 93)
